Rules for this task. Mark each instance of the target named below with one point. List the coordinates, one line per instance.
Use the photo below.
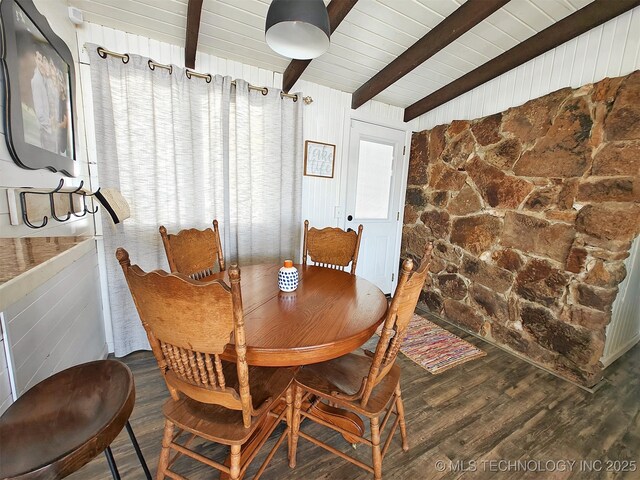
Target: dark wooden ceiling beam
(459, 22)
(594, 14)
(337, 10)
(194, 10)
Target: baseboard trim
(612, 357)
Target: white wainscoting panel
(57, 325)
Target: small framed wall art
(39, 90)
(319, 159)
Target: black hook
(84, 197)
(25, 216)
(23, 204)
(52, 202)
(76, 191)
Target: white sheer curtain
(265, 175)
(183, 152)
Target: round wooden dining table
(330, 314)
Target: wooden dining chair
(366, 383)
(189, 324)
(193, 252)
(331, 247)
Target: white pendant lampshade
(298, 29)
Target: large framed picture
(39, 89)
(319, 159)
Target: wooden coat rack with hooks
(37, 206)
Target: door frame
(397, 125)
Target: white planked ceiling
(373, 34)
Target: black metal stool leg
(138, 451)
(112, 463)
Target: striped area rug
(434, 348)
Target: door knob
(350, 217)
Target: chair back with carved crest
(399, 315)
(193, 252)
(331, 247)
(188, 324)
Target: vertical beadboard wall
(624, 330)
(327, 119)
(610, 50)
(12, 176)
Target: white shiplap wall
(12, 176)
(328, 119)
(56, 325)
(610, 50)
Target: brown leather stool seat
(66, 420)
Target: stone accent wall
(532, 212)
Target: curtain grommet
(190, 74)
(152, 65)
(103, 52)
(265, 91)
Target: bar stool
(66, 420)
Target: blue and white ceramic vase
(288, 277)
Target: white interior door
(374, 199)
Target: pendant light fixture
(298, 29)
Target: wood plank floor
(467, 422)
